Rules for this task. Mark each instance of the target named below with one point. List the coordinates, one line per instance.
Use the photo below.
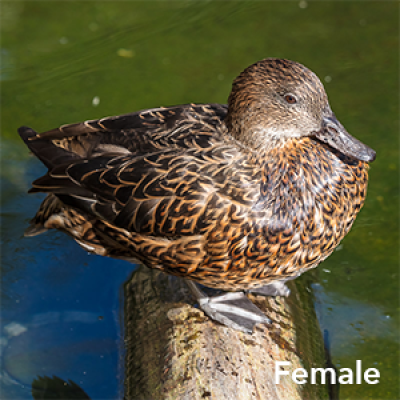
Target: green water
(65, 62)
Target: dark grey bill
(334, 134)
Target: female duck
(239, 198)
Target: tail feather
(51, 205)
(50, 154)
(54, 214)
(59, 185)
(34, 230)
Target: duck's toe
(277, 288)
(232, 309)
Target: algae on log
(173, 351)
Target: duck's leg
(232, 309)
(276, 288)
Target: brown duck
(239, 197)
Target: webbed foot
(232, 309)
(277, 288)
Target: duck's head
(274, 100)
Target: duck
(240, 197)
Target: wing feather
(152, 172)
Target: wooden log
(174, 351)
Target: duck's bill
(335, 135)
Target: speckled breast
(309, 198)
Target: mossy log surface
(173, 351)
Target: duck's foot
(232, 309)
(277, 288)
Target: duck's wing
(168, 186)
(140, 132)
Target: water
(71, 61)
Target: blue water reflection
(61, 307)
(358, 321)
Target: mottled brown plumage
(232, 197)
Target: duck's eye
(290, 99)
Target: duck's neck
(258, 139)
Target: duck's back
(141, 132)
